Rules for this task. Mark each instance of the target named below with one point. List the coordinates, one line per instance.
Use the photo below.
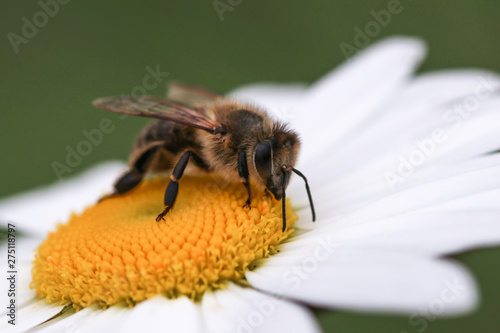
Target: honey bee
(217, 134)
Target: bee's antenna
(283, 203)
(283, 199)
(300, 174)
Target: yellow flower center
(116, 252)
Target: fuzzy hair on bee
(217, 134)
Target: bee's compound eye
(263, 157)
(263, 152)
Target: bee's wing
(154, 107)
(191, 95)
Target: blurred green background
(94, 48)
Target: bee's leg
(134, 175)
(244, 176)
(173, 186)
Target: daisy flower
(403, 173)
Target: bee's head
(275, 157)
(274, 160)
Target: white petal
(239, 309)
(38, 211)
(476, 135)
(471, 180)
(432, 193)
(382, 174)
(81, 321)
(160, 313)
(422, 107)
(429, 234)
(346, 97)
(30, 316)
(370, 280)
(154, 315)
(458, 140)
